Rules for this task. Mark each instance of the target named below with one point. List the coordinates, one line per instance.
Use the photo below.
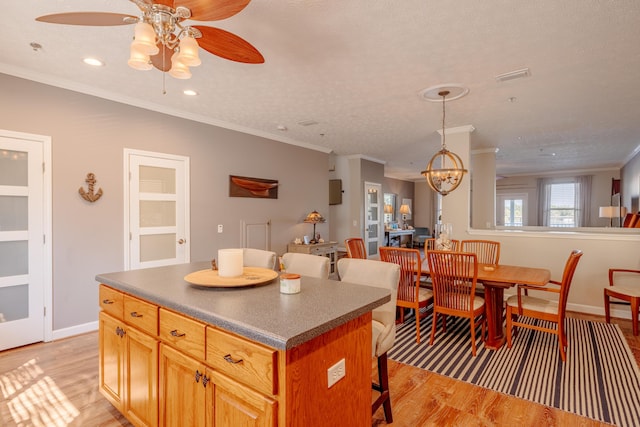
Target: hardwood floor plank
(56, 384)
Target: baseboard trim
(74, 330)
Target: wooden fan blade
(162, 63)
(166, 3)
(94, 19)
(229, 46)
(212, 10)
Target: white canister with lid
(289, 283)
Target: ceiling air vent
(512, 75)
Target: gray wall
(630, 180)
(89, 135)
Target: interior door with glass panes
(373, 232)
(23, 244)
(157, 212)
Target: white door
(373, 233)
(25, 268)
(157, 209)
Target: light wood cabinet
(328, 249)
(128, 370)
(229, 403)
(182, 389)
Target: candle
(230, 262)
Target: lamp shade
(144, 39)
(608, 211)
(179, 70)
(188, 53)
(405, 210)
(388, 209)
(314, 218)
(139, 61)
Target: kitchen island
(172, 353)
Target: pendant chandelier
(445, 170)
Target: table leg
(494, 297)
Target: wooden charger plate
(251, 276)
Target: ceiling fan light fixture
(188, 53)
(144, 39)
(139, 61)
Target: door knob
(182, 241)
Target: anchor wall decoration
(90, 196)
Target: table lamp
(608, 212)
(405, 210)
(313, 218)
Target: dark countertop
(260, 313)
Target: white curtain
(544, 200)
(582, 199)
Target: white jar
(289, 283)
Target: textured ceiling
(356, 68)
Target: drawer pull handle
(230, 359)
(205, 381)
(120, 332)
(175, 333)
(135, 314)
(107, 301)
(198, 376)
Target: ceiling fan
(162, 41)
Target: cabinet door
(230, 404)
(111, 360)
(141, 380)
(182, 395)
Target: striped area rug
(599, 380)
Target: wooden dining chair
(410, 294)
(383, 323)
(630, 220)
(543, 309)
(355, 248)
(624, 284)
(454, 276)
(487, 251)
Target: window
(511, 210)
(563, 211)
(564, 202)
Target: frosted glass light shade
(188, 54)
(178, 69)
(139, 61)
(144, 39)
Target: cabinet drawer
(182, 333)
(111, 301)
(141, 314)
(245, 361)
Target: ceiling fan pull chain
(164, 80)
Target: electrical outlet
(336, 373)
(219, 228)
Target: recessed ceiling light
(190, 92)
(282, 128)
(95, 62)
(35, 46)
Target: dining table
(495, 279)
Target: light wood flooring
(55, 384)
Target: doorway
(373, 233)
(157, 231)
(25, 239)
